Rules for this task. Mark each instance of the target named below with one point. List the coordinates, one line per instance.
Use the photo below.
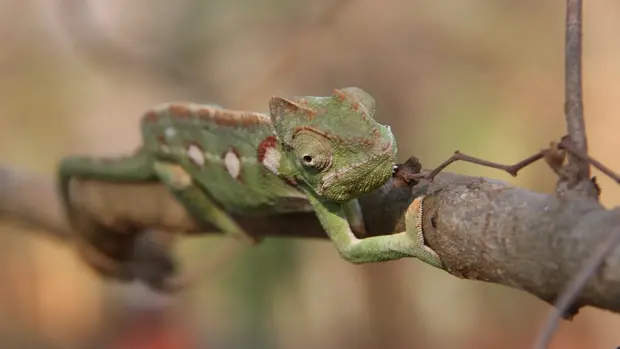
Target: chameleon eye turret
(313, 150)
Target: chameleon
(309, 153)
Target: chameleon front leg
(415, 231)
(353, 212)
(409, 243)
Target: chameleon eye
(313, 150)
(320, 161)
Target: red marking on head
(279, 106)
(341, 95)
(356, 106)
(179, 111)
(310, 113)
(269, 142)
(151, 116)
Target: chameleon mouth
(376, 170)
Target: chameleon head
(334, 144)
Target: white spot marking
(195, 155)
(232, 163)
(272, 159)
(170, 132)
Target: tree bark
(483, 229)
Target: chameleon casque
(309, 154)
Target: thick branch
(485, 229)
(493, 232)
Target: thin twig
(572, 148)
(552, 155)
(573, 107)
(573, 289)
(511, 169)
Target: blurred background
(484, 77)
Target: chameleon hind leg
(105, 250)
(201, 207)
(197, 201)
(409, 243)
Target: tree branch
(483, 229)
(573, 89)
(575, 176)
(572, 290)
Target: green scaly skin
(310, 154)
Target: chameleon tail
(106, 252)
(137, 167)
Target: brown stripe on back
(179, 111)
(232, 118)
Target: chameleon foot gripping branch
(314, 154)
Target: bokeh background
(481, 76)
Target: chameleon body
(308, 154)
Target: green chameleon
(309, 154)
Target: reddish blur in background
(485, 77)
